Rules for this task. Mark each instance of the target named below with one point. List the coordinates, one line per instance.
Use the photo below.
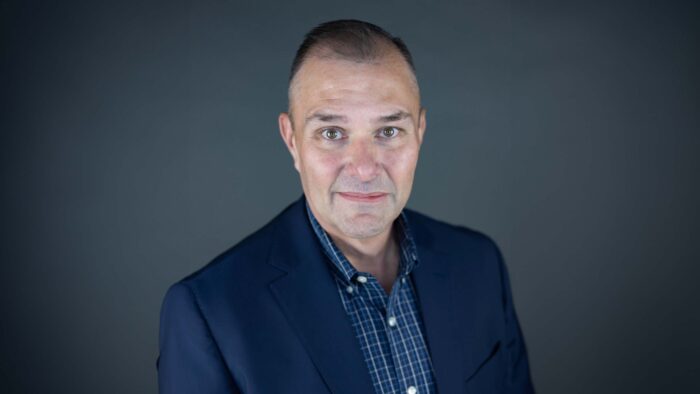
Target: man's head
(354, 126)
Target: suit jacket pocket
(489, 377)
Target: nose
(363, 160)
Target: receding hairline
(383, 56)
(351, 38)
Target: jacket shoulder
(243, 260)
(447, 237)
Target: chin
(363, 226)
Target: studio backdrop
(139, 140)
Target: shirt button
(392, 323)
(403, 280)
(414, 257)
(349, 289)
(411, 390)
(362, 279)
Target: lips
(363, 197)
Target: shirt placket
(395, 326)
(398, 333)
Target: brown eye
(331, 134)
(389, 132)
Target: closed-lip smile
(363, 197)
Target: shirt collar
(407, 246)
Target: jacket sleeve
(189, 360)
(518, 380)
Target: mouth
(364, 197)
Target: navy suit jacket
(265, 317)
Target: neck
(378, 255)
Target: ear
(421, 125)
(287, 133)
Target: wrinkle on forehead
(362, 92)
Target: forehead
(323, 82)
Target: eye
(388, 132)
(331, 134)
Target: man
(346, 291)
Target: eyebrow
(396, 116)
(326, 117)
(329, 117)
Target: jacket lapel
(434, 288)
(309, 298)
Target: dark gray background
(139, 140)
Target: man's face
(356, 133)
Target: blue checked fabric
(388, 327)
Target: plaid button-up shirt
(388, 327)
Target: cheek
(400, 164)
(321, 166)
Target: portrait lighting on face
(357, 131)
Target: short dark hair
(349, 39)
